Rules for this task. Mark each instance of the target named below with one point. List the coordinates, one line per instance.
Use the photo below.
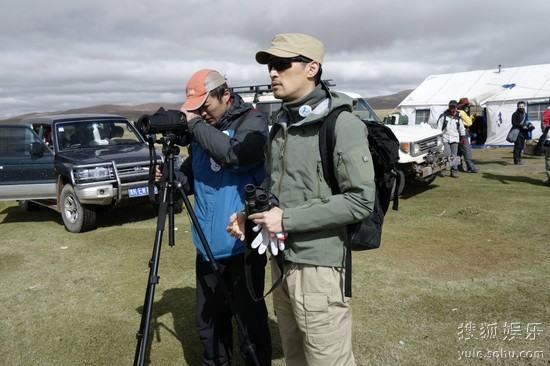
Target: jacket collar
(237, 108)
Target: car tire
(27, 206)
(77, 217)
(423, 182)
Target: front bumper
(115, 188)
(106, 193)
(428, 164)
(432, 165)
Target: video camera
(172, 124)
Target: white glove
(280, 242)
(265, 240)
(261, 241)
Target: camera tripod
(167, 194)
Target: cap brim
(194, 103)
(264, 56)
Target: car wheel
(76, 217)
(426, 181)
(28, 205)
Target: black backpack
(384, 148)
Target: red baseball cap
(201, 83)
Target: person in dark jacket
(226, 152)
(519, 121)
(464, 146)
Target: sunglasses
(281, 64)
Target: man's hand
(158, 173)
(271, 220)
(189, 115)
(236, 225)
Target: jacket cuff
(287, 220)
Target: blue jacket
(223, 158)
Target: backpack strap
(444, 124)
(327, 142)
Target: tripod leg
(145, 324)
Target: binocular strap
(279, 259)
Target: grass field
(463, 268)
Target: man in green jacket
(313, 314)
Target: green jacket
(315, 219)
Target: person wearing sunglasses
(313, 313)
(228, 139)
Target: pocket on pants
(317, 315)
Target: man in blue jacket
(225, 154)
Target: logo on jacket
(214, 166)
(304, 110)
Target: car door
(26, 165)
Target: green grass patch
(472, 250)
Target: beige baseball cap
(291, 45)
(201, 83)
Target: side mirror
(36, 148)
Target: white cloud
(63, 54)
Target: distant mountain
(128, 111)
(388, 101)
(135, 111)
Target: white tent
(497, 91)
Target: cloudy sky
(60, 54)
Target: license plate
(139, 191)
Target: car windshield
(83, 134)
(365, 111)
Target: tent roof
(482, 86)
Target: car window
(15, 141)
(361, 105)
(83, 134)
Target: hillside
(129, 111)
(388, 101)
(133, 112)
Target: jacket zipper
(282, 158)
(341, 161)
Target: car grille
(133, 172)
(428, 144)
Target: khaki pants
(313, 315)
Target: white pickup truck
(421, 146)
(421, 154)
